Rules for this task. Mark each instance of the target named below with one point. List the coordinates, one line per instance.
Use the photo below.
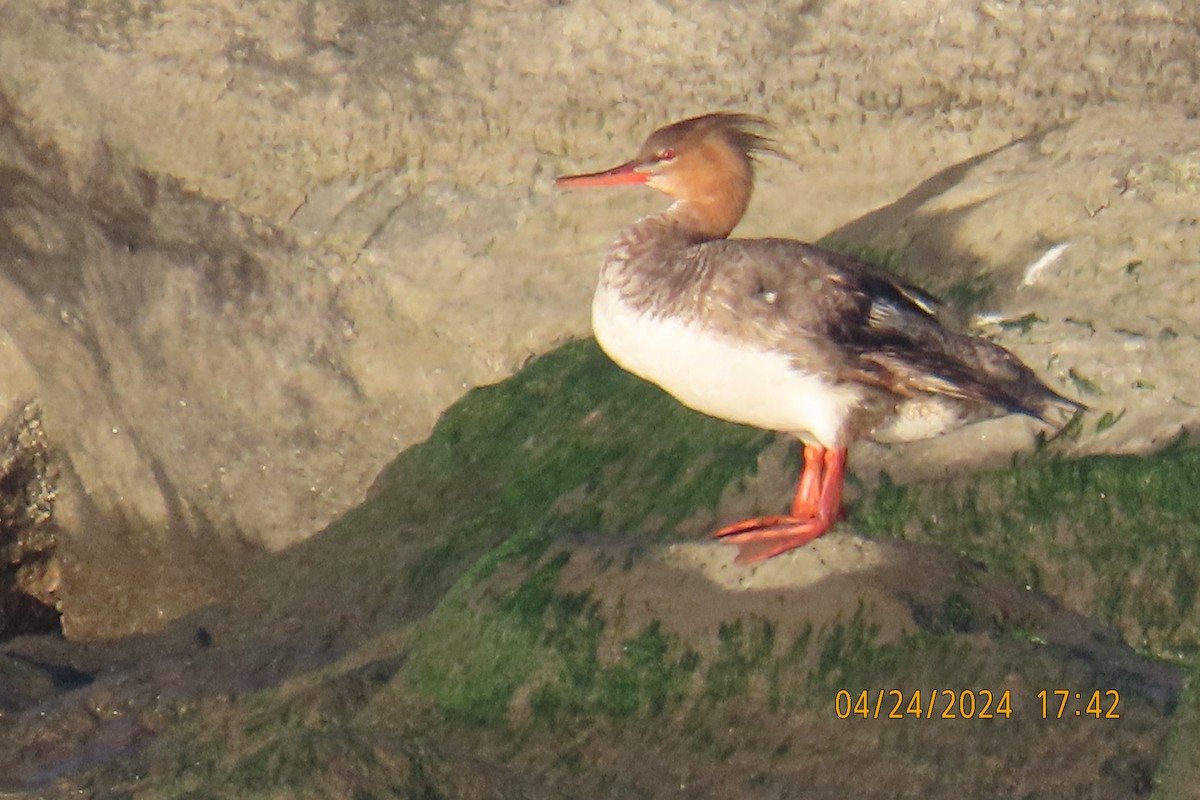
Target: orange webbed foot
(766, 537)
(816, 507)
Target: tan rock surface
(249, 252)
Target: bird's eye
(665, 155)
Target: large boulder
(251, 251)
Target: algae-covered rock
(526, 606)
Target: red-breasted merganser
(783, 335)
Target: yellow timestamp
(927, 704)
(1060, 703)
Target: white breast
(724, 378)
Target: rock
(30, 569)
(547, 622)
(1076, 250)
(251, 252)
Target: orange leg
(817, 506)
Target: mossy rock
(526, 606)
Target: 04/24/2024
(971, 704)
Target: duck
(783, 335)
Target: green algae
(1176, 779)
(1101, 522)
(969, 294)
(958, 613)
(476, 663)
(503, 458)
(1119, 534)
(574, 446)
(471, 660)
(1108, 420)
(1022, 324)
(628, 453)
(744, 649)
(570, 425)
(652, 675)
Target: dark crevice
(29, 569)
